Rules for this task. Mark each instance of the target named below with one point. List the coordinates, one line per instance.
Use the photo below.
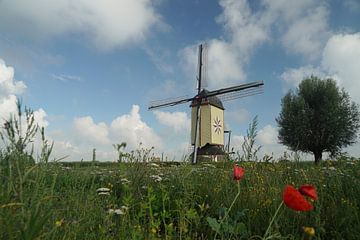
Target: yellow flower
(309, 231)
(60, 222)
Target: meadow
(142, 199)
(148, 200)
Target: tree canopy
(318, 117)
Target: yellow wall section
(205, 118)
(217, 137)
(193, 119)
(208, 114)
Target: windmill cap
(213, 100)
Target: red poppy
(294, 200)
(238, 173)
(309, 191)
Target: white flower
(125, 208)
(124, 180)
(157, 178)
(154, 165)
(116, 211)
(104, 194)
(103, 189)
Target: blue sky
(90, 68)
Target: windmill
(207, 110)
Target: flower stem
(273, 219)
(228, 211)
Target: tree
(318, 117)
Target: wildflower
(125, 208)
(125, 180)
(59, 223)
(309, 191)
(154, 165)
(103, 191)
(238, 173)
(310, 231)
(116, 211)
(296, 201)
(156, 178)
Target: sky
(89, 69)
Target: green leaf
(213, 223)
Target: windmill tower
(211, 124)
(207, 112)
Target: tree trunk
(318, 157)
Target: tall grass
(146, 200)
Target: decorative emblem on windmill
(207, 112)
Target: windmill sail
(229, 93)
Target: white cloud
(239, 116)
(92, 132)
(302, 26)
(40, 118)
(66, 78)
(307, 35)
(226, 58)
(236, 142)
(7, 107)
(9, 88)
(178, 121)
(341, 58)
(8, 85)
(293, 76)
(268, 135)
(339, 61)
(246, 29)
(109, 24)
(131, 129)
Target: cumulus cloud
(221, 67)
(341, 58)
(339, 61)
(293, 76)
(239, 116)
(108, 24)
(302, 27)
(268, 135)
(96, 133)
(7, 107)
(9, 88)
(40, 118)
(247, 29)
(226, 58)
(178, 121)
(306, 27)
(131, 129)
(8, 85)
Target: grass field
(176, 201)
(139, 199)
